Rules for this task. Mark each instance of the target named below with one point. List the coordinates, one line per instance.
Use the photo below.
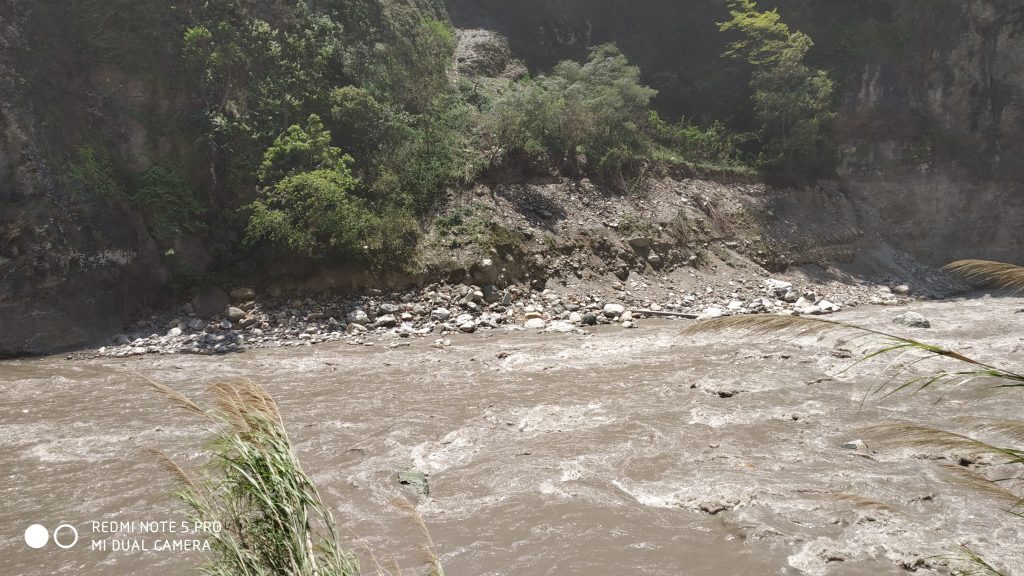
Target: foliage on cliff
(327, 130)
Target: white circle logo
(36, 536)
(63, 527)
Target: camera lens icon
(64, 536)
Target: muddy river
(620, 452)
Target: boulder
(614, 310)
(912, 320)
(711, 313)
(386, 321)
(535, 324)
(243, 294)
(235, 314)
(641, 243)
(359, 317)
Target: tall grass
(963, 369)
(274, 522)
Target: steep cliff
(931, 117)
(98, 101)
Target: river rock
(711, 313)
(386, 321)
(468, 327)
(912, 320)
(626, 316)
(440, 314)
(535, 324)
(389, 308)
(196, 324)
(174, 332)
(901, 290)
(235, 314)
(243, 294)
(589, 319)
(225, 324)
(415, 479)
(614, 310)
(359, 317)
(778, 287)
(560, 327)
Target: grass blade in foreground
(274, 522)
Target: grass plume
(274, 521)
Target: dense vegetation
(329, 131)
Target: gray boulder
(912, 320)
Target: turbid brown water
(622, 452)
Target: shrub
(168, 203)
(92, 174)
(312, 213)
(792, 101)
(597, 109)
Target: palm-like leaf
(986, 273)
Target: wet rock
(778, 287)
(828, 307)
(243, 294)
(535, 324)
(225, 324)
(356, 329)
(560, 327)
(415, 479)
(196, 324)
(912, 320)
(613, 310)
(468, 327)
(629, 324)
(386, 321)
(711, 313)
(589, 320)
(359, 317)
(856, 445)
(235, 314)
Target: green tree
(792, 101)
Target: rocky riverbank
(216, 322)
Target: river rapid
(620, 452)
